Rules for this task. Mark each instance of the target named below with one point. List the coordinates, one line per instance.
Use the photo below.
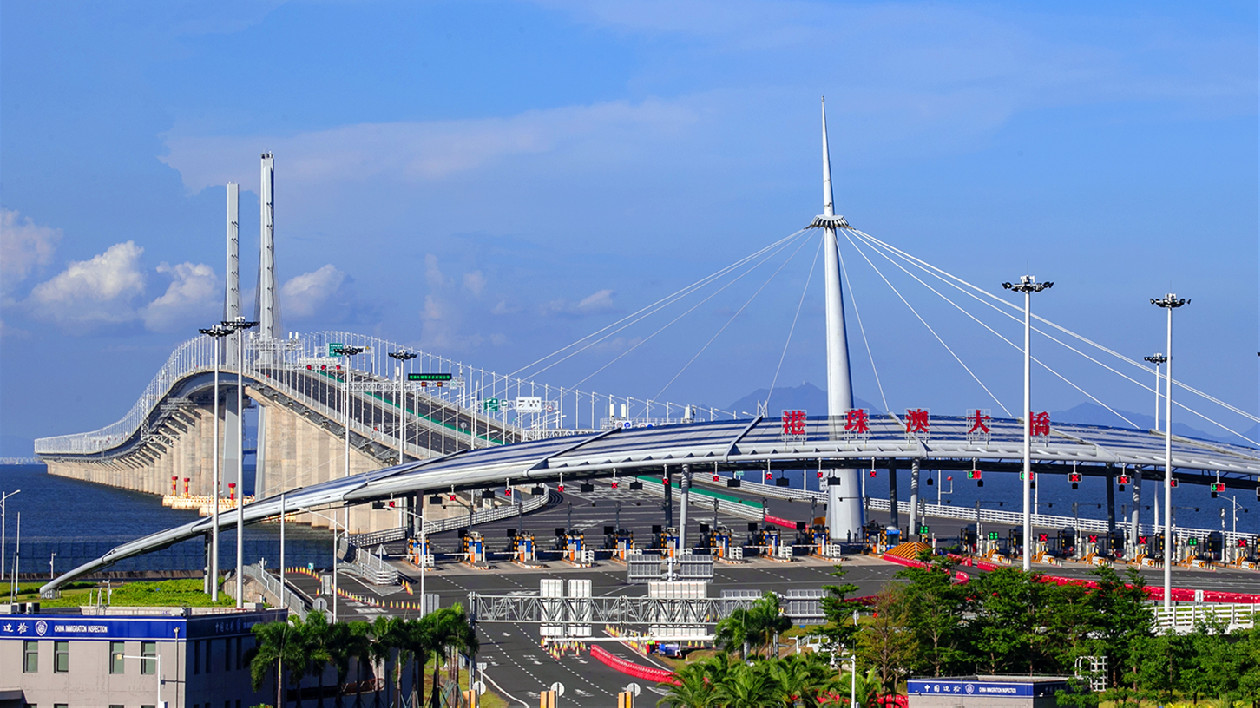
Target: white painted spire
(845, 508)
(828, 201)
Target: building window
(30, 657)
(148, 666)
(61, 657)
(240, 658)
(196, 662)
(227, 654)
(117, 663)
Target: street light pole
(3, 529)
(215, 332)
(402, 357)
(1027, 285)
(1169, 302)
(157, 655)
(239, 325)
(346, 351)
(1157, 358)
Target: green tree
(347, 641)
(838, 608)
(756, 625)
(316, 639)
(448, 630)
(934, 607)
(279, 647)
(388, 640)
(886, 643)
(805, 679)
(746, 686)
(691, 688)
(1121, 615)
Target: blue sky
(491, 180)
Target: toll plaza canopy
(844, 442)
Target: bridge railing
(189, 357)
(485, 394)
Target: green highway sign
(334, 348)
(490, 404)
(429, 377)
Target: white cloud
(421, 151)
(192, 296)
(432, 273)
(23, 246)
(475, 282)
(306, 294)
(596, 302)
(96, 291)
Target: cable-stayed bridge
(347, 419)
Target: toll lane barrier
(625, 666)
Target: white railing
(1183, 618)
(705, 502)
(468, 395)
(947, 511)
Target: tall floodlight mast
(844, 500)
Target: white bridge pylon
(730, 446)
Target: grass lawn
(163, 593)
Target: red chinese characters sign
(794, 423)
(1039, 424)
(978, 425)
(918, 423)
(857, 421)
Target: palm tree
(732, 632)
(805, 679)
(316, 640)
(449, 629)
(692, 687)
(279, 645)
(748, 687)
(346, 641)
(388, 641)
(416, 642)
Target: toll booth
(665, 541)
(1014, 543)
(1215, 547)
(819, 539)
(769, 540)
(1088, 547)
(1065, 543)
(619, 541)
(574, 546)
(970, 540)
(720, 542)
(1116, 544)
(1041, 548)
(474, 548)
(523, 547)
(420, 556)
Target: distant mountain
(806, 397)
(1094, 414)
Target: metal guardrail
(962, 513)
(294, 601)
(461, 521)
(752, 510)
(1184, 618)
(373, 568)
